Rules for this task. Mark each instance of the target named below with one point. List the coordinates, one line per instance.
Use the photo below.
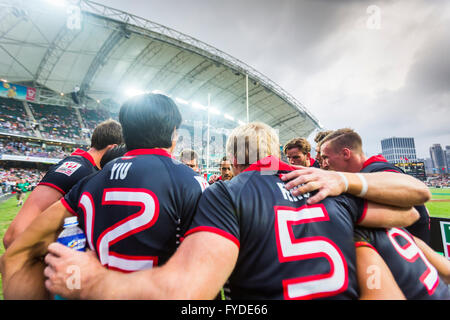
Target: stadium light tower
(207, 141)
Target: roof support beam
(101, 58)
(54, 53)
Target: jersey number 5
(292, 249)
(134, 223)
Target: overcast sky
(379, 67)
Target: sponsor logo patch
(68, 168)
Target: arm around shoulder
(383, 216)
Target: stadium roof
(107, 52)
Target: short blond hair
(252, 142)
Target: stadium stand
(57, 123)
(13, 118)
(93, 117)
(32, 149)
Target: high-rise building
(447, 154)
(397, 150)
(438, 157)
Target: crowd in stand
(13, 118)
(57, 123)
(29, 149)
(10, 177)
(439, 182)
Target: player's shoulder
(380, 165)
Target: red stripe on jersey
(52, 186)
(364, 244)
(364, 212)
(391, 170)
(218, 231)
(139, 152)
(373, 159)
(68, 207)
(85, 155)
(270, 163)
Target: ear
(236, 169)
(347, 153)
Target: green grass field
(9, 209)
(439, 209)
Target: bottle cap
(70, 222)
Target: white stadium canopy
(60, 46)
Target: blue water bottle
(73, 237)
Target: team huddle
(264, 229)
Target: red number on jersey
(143, 219)
(411, 253)
(292, 249)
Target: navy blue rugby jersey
(415, 275)
(66, 173)
(421, 228)
(136, 208)
(287, 249)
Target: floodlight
(199, 106)
(214, 110)
(227, 116)
(131, 92)
(179, 100)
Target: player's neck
(358, 165)
(96, 155)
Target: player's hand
(307, 179)
(213, 178)
(71, 273)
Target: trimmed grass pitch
(9, 209)
(439, 206)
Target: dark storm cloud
(431, 71)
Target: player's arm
(377, 215)
(22, 265)
(375, 279)
(383, 187)
(40, 199)
(197, 270)
(441, 263)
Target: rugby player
(61, 177)
(133, 212)
(226, 172)
(298, 152)
(317, 139)
(190, 158)
(249, 230)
